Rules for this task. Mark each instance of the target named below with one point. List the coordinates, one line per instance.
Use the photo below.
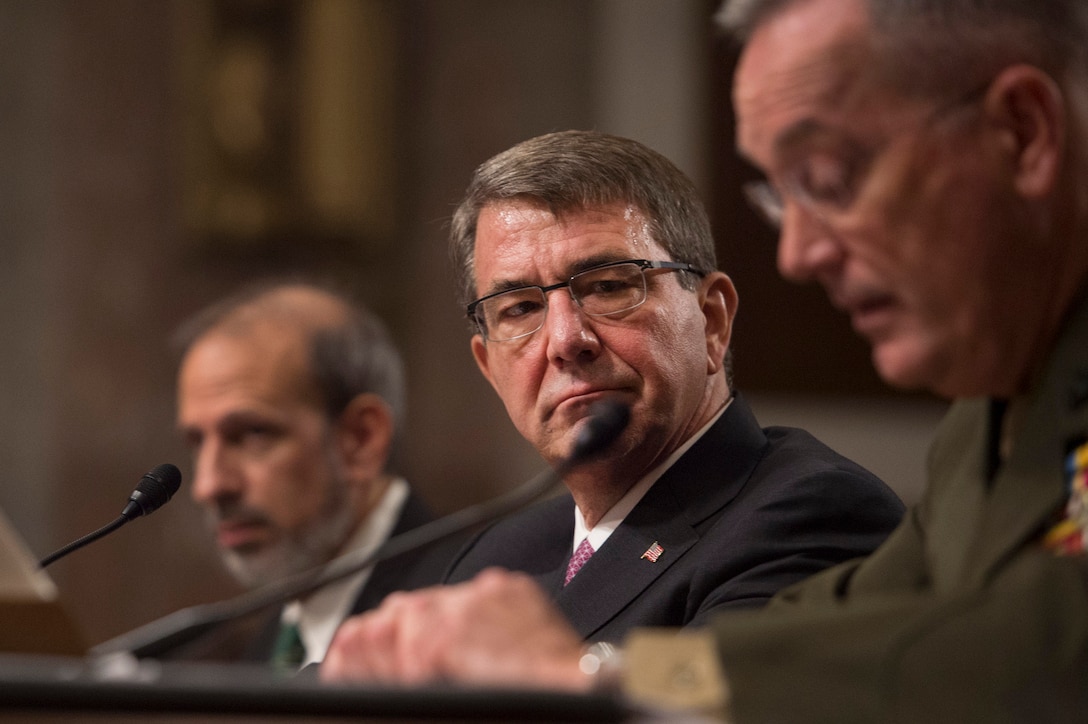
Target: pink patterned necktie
(585, 550)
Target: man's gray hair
(921, 40)
(572, 171)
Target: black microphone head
(153, 491)
(607, 419)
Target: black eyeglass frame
(643, 265)
(769, 202)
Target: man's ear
(718, 298)
(365, 436)
(479, 353)
(1029, 107)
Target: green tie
(289, 651)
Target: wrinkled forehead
(520, 220)
(519, 244)
(267, 360)
(814, 56)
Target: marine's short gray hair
(920, 40)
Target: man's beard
(314, 544)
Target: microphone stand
(157, 638)
(182, 627)
(152, 492)
(85, 540)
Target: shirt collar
(615, 515)
(320, 614)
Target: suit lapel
(553, 552)
(386, 575)
(953, 510)
(700, 484)
(618, 572)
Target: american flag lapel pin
(653, 552)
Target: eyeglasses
(823, 188)
(833, 185)
(767, 202)
(611, 288)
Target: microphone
(154, 489)
(607, 420)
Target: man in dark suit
(588, 272)
(926, 164)
(289, 398)
(744, 513)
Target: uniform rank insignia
(1070, 535)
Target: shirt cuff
(674, 669)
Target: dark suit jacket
(962, 616)
(416, 569)
(745, 512)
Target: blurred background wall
(158, 154)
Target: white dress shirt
(615, 515)
(321, 613)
